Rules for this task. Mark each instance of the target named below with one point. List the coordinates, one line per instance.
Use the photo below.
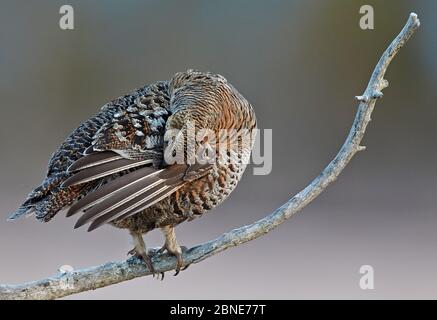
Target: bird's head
(207, 113)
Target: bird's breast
(202, 195)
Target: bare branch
(71, 282)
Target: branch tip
(415, 19)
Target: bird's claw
(180, 261)
(145, 258)
(148, 261)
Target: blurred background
(299, 63)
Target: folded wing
(127, 194)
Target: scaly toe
(148, 262)
(179, 264)
(132, 252)
(161, 250)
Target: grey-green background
(299, 63)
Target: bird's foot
(180, 266)
(142, 255)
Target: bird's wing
(132, 138)
(126, 153)
(132, 192)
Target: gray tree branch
(68, 283)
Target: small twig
(71, 282)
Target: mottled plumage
(114, 167)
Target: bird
(163, 154)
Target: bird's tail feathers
(21, 212)
(42, 201)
